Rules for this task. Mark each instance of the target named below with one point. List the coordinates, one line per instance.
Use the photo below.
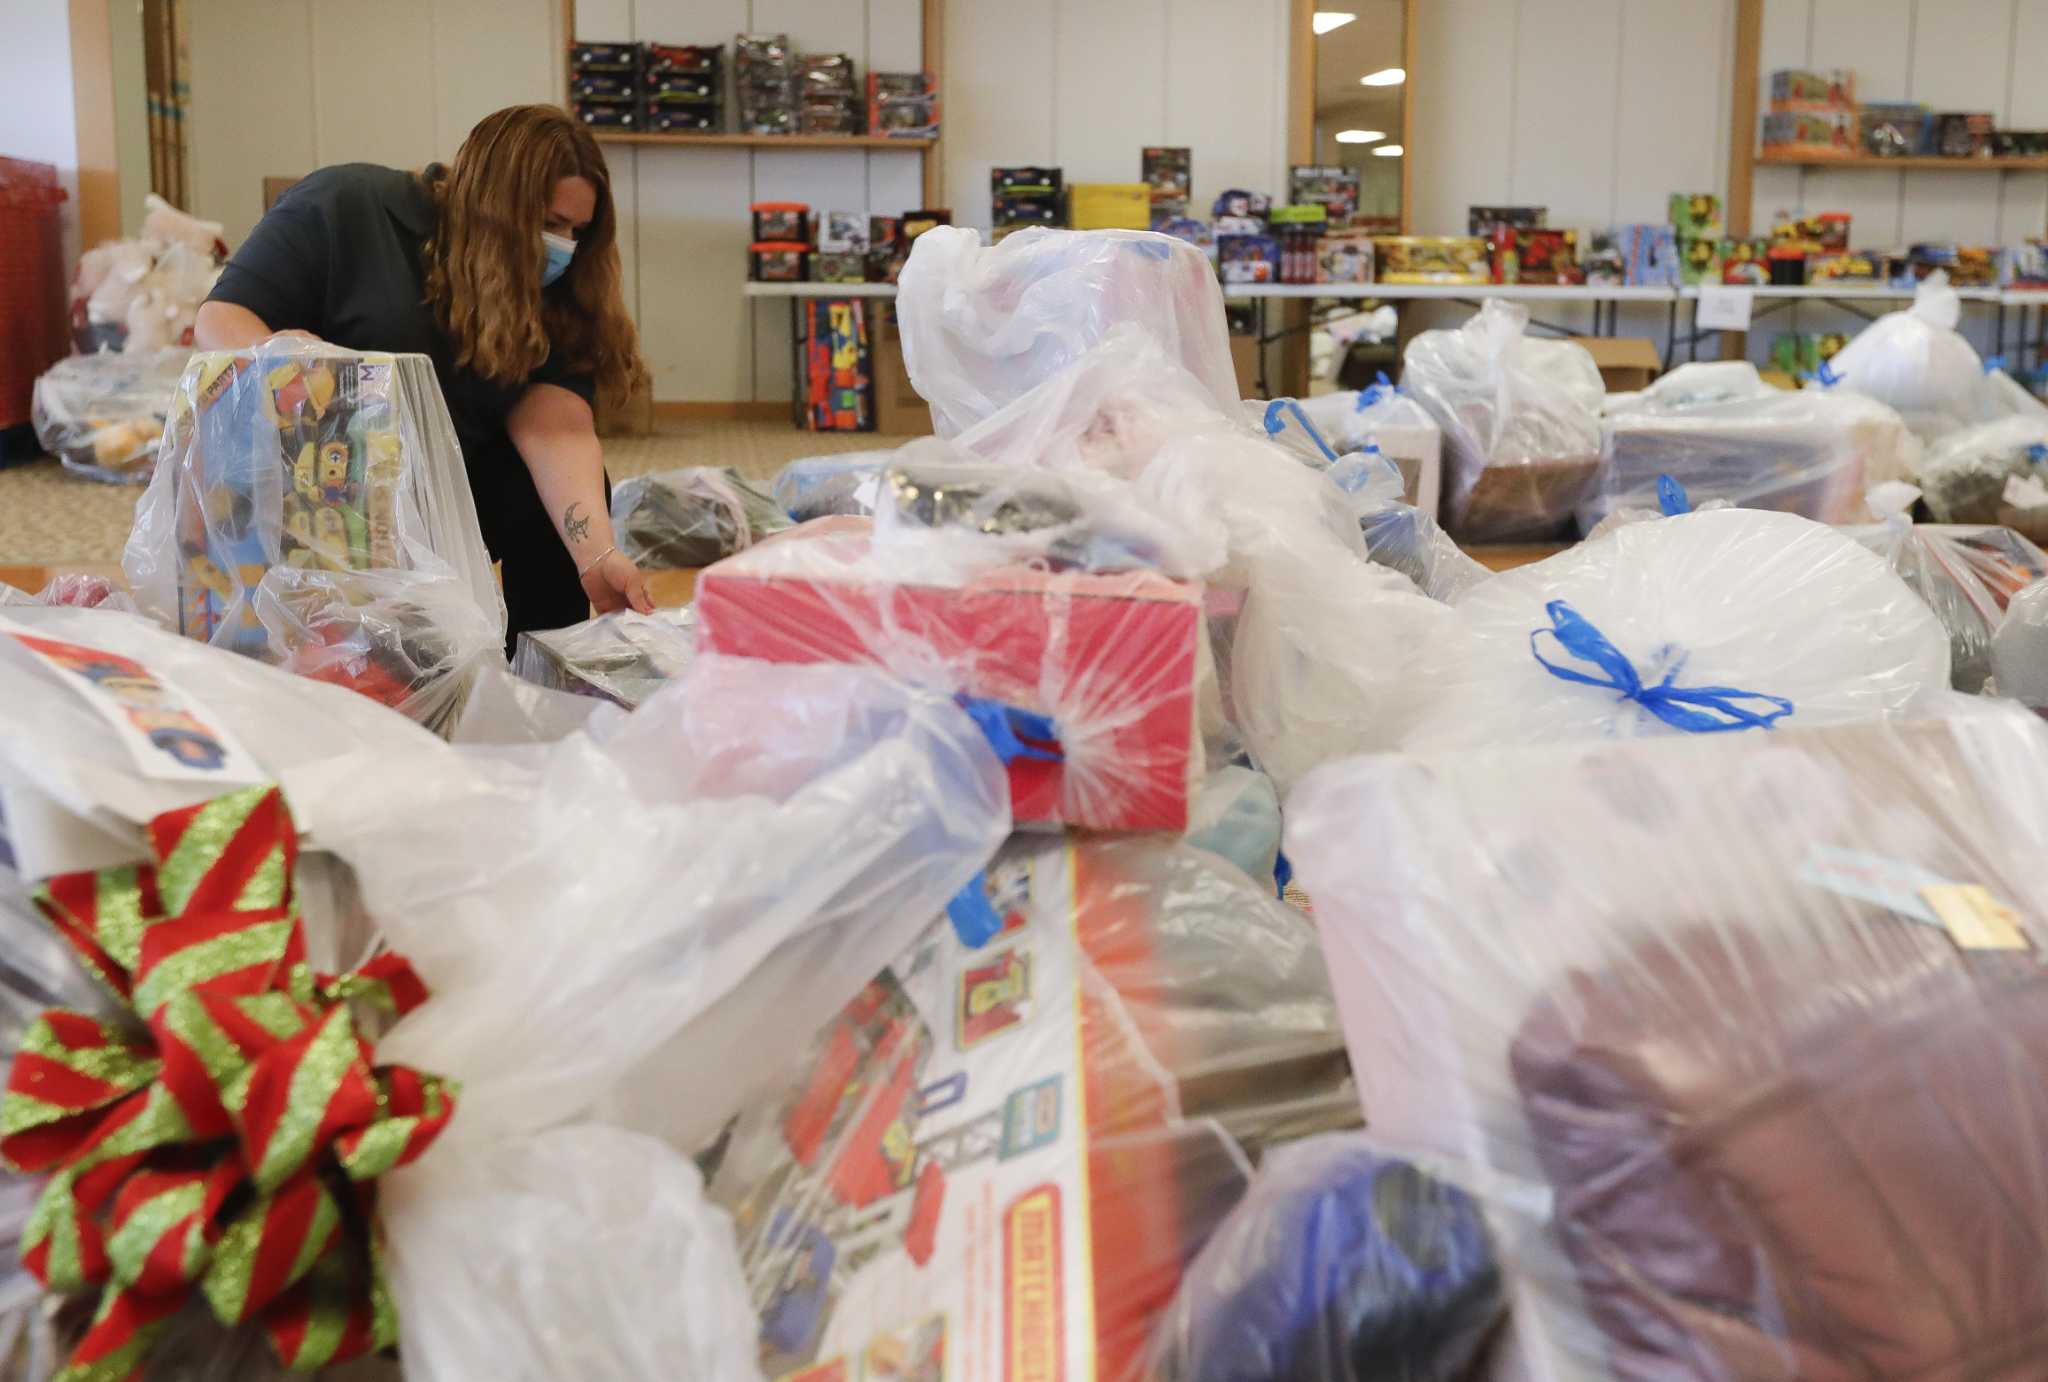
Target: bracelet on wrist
(585, 571)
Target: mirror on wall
(1360, 90)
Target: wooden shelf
(1782, 159)
(771, 141)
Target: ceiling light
(1386, 76)
(1327, 20)
(1388, 151)
(1360, 136)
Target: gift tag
(1894, 884)
(1722, 308)
(1975, 919)
(167, 734)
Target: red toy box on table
(1110, 659)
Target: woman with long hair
(505, 270)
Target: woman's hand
(615, 583)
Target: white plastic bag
(2019, 650)
(310, 507)
(1812, 452)
(984, 325)
(1401, 536)
(679, 519)
(1379, 419)
(1722, 620)
(623, 657)
(1520, 419)
(1964, 475)
(1916, 362)
(1689, 1018)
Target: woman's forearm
(557, 438)
(227, 326)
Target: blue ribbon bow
(2037, 453)
(1694, 709)
(1380, 389)
(1671, 497)
(1275, 424)
(1993, 363)
(1825, 376)
(1014, 732)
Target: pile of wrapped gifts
(1109, 891)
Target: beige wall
(281, 87)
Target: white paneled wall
(281, 87)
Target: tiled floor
(50, 516)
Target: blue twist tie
(974, 918)
(1825, 376)
(2037, 453)
(1008, 727)
(1993, 363)
(1671, 497)
(1275, 424)
(1381, 388)
(1283, 873)
(1719, 707)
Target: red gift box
(1112, 659)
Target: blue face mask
(555, 253)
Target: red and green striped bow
(229, 1140)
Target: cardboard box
(899, 411)
(1627, 363)
(1244, 359)
(1114, 659)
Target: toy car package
(310, 508)
(979, 1172)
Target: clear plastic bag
(542, 1237)
(1400, 536)
(827, 486)
(310, 508)
(1721, 620)
(2019, 649)
(1520, 419)
(1341, 1265)
(1237, 817)
(1381, 418)
(1095, 676)
(1966, 575)
(102, 415)
(1718, 1033)
(623, 657)
(1041, 1119)
(679, 519)
(1964, 475)
(505, 709)
(1812, 452)
(984, 325)
(1916, 362)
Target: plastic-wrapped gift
(1381, 418)
(2019, 650)
(1963, 476)
(984, 325)
(623, 657)
(1401, 536)
(691, 517)
(1814, 452)
(102, 415)
(1916, 362)
(825, 486)
(309, 507)
(675, 828)
(1520, 419)
(1967, 576)
(1093, 677)
(1714, 621)
(1736, 1041)
(1341, 1265)
(983, 1158)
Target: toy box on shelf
(604, 84)
(1796, 90)
(1109, 206)
(1344, 256)
(1456, 259)
(1535, 256)
(1484, 220)
(1812, 133)
(765, 83)
(828, 101)
(1650, 254)
(682, 87)
(903, 105)
(1331, 187)
(1025, 196)
(1169, 175)
(1894, 129)
(1298, 231)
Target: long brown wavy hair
(483, 260)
